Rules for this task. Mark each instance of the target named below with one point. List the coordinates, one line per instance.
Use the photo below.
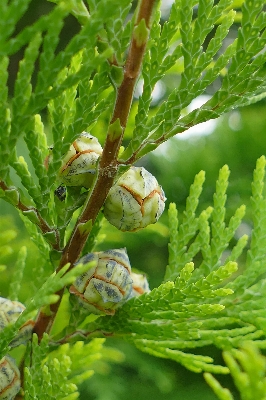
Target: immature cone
(140, 284)
(9, 313)
(135, 201)
(9, 379)
(79, 163)
(106, 286)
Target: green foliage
(48, 380)
(199, 69)
(248, 368)
(87, 84)
(55, 374)
(197, 308)
(43, 298)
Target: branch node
(141, 33)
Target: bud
(79, 163)
(9, 379)
(9, 313)
(135, 201)
(108, 285)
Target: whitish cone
(135, 201)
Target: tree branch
(108, 162)
(40, 222)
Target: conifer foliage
(88, 85)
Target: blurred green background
(237, 139)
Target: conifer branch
(202, 301)
(108, 162)
(40, 222)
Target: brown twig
(42, 224)
(108, 162)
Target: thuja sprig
(202, 68)
(51, 377)
(12, 195)
(182, 312)
(197, 309)
(180, 236)
(44, 297)
(174, 317)
(255, 255)
(108, 162)
(190, 235)
(248, 369)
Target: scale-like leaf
(241, 75)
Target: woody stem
(108, 162)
